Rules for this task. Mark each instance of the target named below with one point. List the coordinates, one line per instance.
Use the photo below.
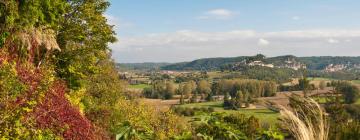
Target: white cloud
(221, 12)
(333, 41)
(295, 18)
(139, 49)
(217, 14)
(185, 45)
(263, 42)
(119, 24)
(348, 40)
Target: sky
(184, 30)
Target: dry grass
(38, 36)
(306, 122)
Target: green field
(320, 79)
(357, 102)
(323, 100)
(139, 86)
(265, 115)
(356, 81)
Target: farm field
(139, 86)
(356, 81)
(265, 115)
(357, 102)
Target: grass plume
(306, 120)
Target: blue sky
(183, 30)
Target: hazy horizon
(148, 32)
(232, 57)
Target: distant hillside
(140, 66)
(204, 64)
(288, 61)
(320, 63)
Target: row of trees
(255, 88)
(235, 92)
(164, 89)
(160, 89)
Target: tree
(238, 100)
(204, 89)
(322, 85)
(189, 89)
(194, 97)
(304, 85)
(169, 90)
(180, 91)
(349, 92)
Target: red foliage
(55, 112)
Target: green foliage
(83, 45)
(20, 15)
(192, 111)
(220, 126)
(256, 88)
(279, 75)
(349, 92)
(160, 89)
(344, 120)
(141, 120)
(271, 135)
(127, 132)
(3, 37)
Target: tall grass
(306, 120)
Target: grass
(219, 74)
(264, 115)
(357, 102)
(320, 79)
(215, 74)
(139, 86)
(320, 100)
(356, 81)
(323, 100)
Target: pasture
(266, 116)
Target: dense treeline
(255, 88)
(302, 85)
(160, 89)
(140, 66)
(340, 75)
(240, 93)
(203, 90)
(279, 75)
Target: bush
(189, 112)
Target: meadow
(266, 116)
(139, 86)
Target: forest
(313, 63)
